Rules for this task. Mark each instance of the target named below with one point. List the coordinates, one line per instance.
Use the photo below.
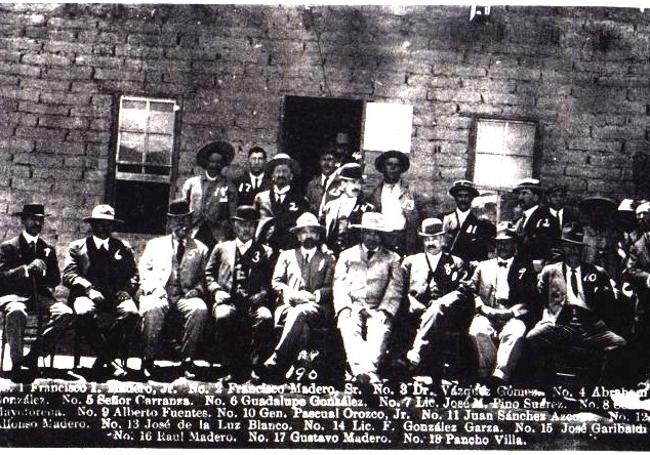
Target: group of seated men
(347, 263)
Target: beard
(309, 243)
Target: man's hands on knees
(221, 297)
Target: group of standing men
(262, 258)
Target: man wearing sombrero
(211, 197)
(302, 278)
(537, 228)
(101, 273)
(282, 201)
(468, 236)
(433, 277)
(368, 286)
(238, 276)
(395, 200)
(577, 296)
(29, 271)
(172, 276)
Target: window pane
(160, 149)
(520, 139)
(134, 119)
(161, 118)
(131, 147)
(501, 171)
(489, 137)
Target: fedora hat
(505, 231)
(35, 210)
(644, 207)
(283, 158)
(573, 233)
(463, 185)
(529, 184)
(222, 148)
(600, 203)
(179, 208)
(430, 227)
(307, 219)
(405, 163)
(351, 171)
(372, 221)
(102, 212)
(245, 213)
(627, 205)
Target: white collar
(211, 179)
(507, 261)
(283, 190)
(99, 242)
(530, 211)
(392, 185)
(569, 269)
(243, 246)
(30, 238)
(366, 250)
(255, 177)
(309, 253)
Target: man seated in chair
(367, 289)
(507, 305)
(172, 277)
(28, 272)
(576, 295)
(238, 275)
(303, 281)
(433, 277)
(101, 274)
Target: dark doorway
(312, 123)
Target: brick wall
(582, 73)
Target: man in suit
(576, 295)
(101, 273)
(469, 236)
(211, 197)
(538, 230)
(319, 188)
(302, 278)
(558, 207)
(507, 305)
(395, 200)
(433, 277)
(345, 210)
(368, 286)
(172, 278)
(238, 275)
(282, 201)
(255, 180)
(28, 272)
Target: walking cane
(39, 319)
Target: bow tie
(503, 264)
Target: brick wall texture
(582, 73)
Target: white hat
(103, 212)
(372, 221)
(307, 219)
(643, 208)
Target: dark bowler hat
(505, 231)
(463, 185)
(351, 171)
(245, 213)
(35, 210)
(529, 184)
(178, 208)
(430, 227)
(222, 148)
(573, 233)
(283, 158)
(600, 204)
(403, 159)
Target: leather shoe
(147, 368)
(187, 367)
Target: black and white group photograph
(284, 226)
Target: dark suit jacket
(285, 214)
(121, 274)
(336, 238)
(552, 286)
(471, 241)
(637, 267)
(245, 192)
(538, 236)
(14, 255)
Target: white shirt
(391, 207)
(502, 287)
(243, 246)
(559, 214)
(256, 180)
(30, 238)
(281, 193)
(99, 243)
(366, 250)
(211, 179)
(528, 213)
(308, 254)
(462, 216)
(571, 297)
(433, 260)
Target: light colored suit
(291, 275)
(156, 268)
(367, 295)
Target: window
(504, 153)
(144, 161)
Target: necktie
(522, 223)
(32, 247)
(574, 282)
(503, 264)
(371, 253)
(180, 251)
(305, 258)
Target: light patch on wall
(388, 126)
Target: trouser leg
(351, 325)
(296, 330)
(15, 322)
(152, 311)
(511, 340)
(195, 314)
